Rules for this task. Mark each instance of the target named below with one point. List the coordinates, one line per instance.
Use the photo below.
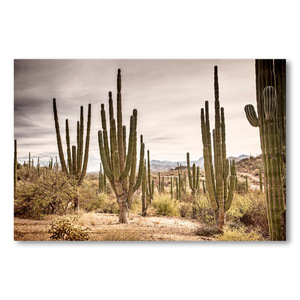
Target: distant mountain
(166, 165)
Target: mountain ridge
(167, 165)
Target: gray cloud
(167, 93)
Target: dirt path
(105, 227)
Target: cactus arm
(231, 186)
(87, 145)
(251, 115)
(58, 138)
(103, 157)
(142, 154)
(113, 141)
(119, 123)
(189, 170)
(209, 183)
(80, 148)
(74, 160)
(270, 101)
(68, 148)
(124, 142)
(130, 148)
(105, 135)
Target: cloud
(168, 95)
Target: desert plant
(165, 205)
(15, 166)
(260, 180)
(64, 229)
(239, 234)
(52, 192)
(193, 180)
(102, 181)
(75, 166)
(117, 165)
(271, 120)
(216, 176)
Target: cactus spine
(120, 168)
(75, 165)
(271, 120)
(15, 166)
(216, 176)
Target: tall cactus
(120, 168)
(271, 120)
(216, 175)
(74, 158)
(260, 180)
(193, 181)
(171, 188)
(194, 176)
(15, 166)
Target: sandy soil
(105, 227)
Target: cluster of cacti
(119, 167)
(271, 120)
(216, 174)
(76, 164)
(194, 176)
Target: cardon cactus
(216, 174)
(144, 190)
(15, 166)
(75, 158)
(271, 120)
(119, 167)
(150, 191)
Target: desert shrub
(52, 192)
(251, 210)
(239, 234)
(136, 206)
(207, 230)
(164, 205)
(109, 205)
(199, 208)
(241, 186)
(64, 229)
(88, 196)
(184, 209)
(122, 235)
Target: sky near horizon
(168, 95)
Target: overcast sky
(168, 95)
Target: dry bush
(239, 234)
(64, 229)
(122, 235)
(165, 206)
(51, 193)
(207, 230)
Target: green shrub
(165, 206)
(64, 229)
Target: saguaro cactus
(216, 176)
(271, 120)
(120, 168)
(75, 166)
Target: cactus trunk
(216, 177)
(271, 120)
